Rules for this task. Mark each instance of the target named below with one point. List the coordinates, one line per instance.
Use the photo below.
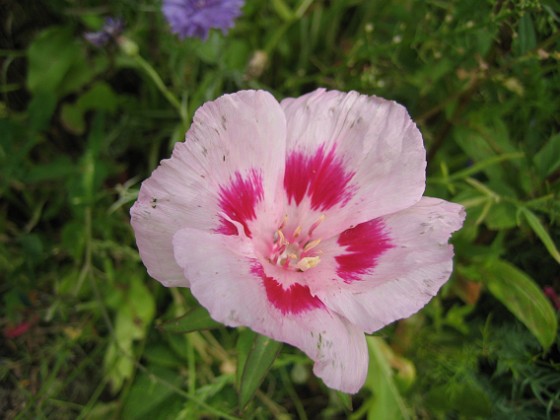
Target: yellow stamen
(281, 237)
(308, 262)
(284, 221)
(311, 245)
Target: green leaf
(256, 365)
(211, 51)
(40, 110)
(50, 57)
(386, 402)
(72, 117)
(195, 320)
(519, 293)
(58, 63)
(244, 345)
(501, 216)
(527, 37)
(161, 355)
(99, 96)
(541, 232)
(135, 313)
(59, 168)
(283, 11)
(345, 400)
(147, 393)
(547, 160)
(468, 399)
(480, 166)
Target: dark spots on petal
(356, 122)
(153, 202)
(427, 282)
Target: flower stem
(153, 74)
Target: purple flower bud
(112, 28)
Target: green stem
(172, 99)
(86, 268)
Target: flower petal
(365, 156)
(404, 277)
(231, 162)
(229, 281)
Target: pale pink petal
(363, 157)
(231, 163)
(415, 261)
(229, 280)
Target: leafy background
(87, 334)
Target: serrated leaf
(521, 295)
(195, 320)
(256, 366)
(541, 232)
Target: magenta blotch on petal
(293, 299)
(303, 220)
(364, 244)
(321, 176)
(238, 201)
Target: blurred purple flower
(110, 30)
(195, 18)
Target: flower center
(296, 251)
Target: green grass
(81, 127)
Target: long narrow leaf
(195, 320)
(520, 294)
(541, 232)
(387, 402)
(256, 366)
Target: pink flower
(303, 220)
